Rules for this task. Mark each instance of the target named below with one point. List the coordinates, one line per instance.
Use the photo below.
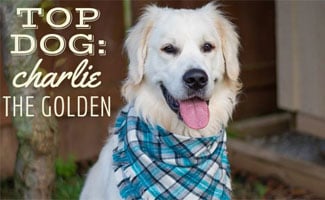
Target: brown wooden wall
(83, 137)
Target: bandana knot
(152, 163)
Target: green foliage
(7, 190)
(46, 4)
(68, 183)
(68, 188)
(260, 188)
(127, 13)
(231, 133)
(248, 186)
(65, 168)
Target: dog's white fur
(149, 67)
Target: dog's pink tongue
(195, 113)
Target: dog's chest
(151, 163)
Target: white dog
(169, 141)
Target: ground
(70, 178)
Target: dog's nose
(195, 79)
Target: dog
(169, 140)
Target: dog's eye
(170, 49)
(207, 47)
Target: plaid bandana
(151, 163)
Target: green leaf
(46, 4)
(231, 133)
(65, 168)
(68, 188)
(42, 70)
(260, 189)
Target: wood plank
(256, 26)
(256, 102)
(286, 60)
(83, 142)
(262, 125)
(8, 150)
(310, 52)
(3, 92)
(267, 163)
(311, 125)
(301, 56)
(258, 77)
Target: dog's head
(184, 58)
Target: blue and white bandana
(152, 163)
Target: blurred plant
(46, 5)
(68, 188)
(231, 133)
(65, 168)
(260, 188)
(68, 182)
(127, 13)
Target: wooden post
(37, 136)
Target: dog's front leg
(100, 182)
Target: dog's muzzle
(172, 103)
(195, 79)
(194, 110)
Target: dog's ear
(230, 44)
(229, 40)
(136, 47)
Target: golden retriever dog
(169, 140)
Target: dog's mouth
(193, 111)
